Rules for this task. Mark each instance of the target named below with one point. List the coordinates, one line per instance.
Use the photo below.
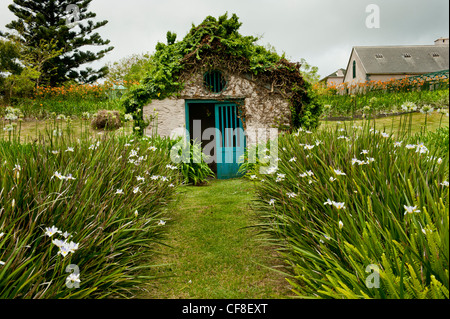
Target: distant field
(392, 123)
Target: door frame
(215, 102)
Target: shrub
(108, 120)
(354, 202)
(108, 194)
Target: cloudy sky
(320, 31)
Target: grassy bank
(213, 253)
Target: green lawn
(389, 123)
(213, 253)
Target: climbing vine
(216, 43)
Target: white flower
(154, 177)
(341, 224)
(119, 191)
(384, 134)
(409, 106)
(308, 147)
(59, 243)
(365, 152)
(152, 148)
(310, 173)
(58, 175)
(427, 109)
(339, 172)
(69, 177)
(73, 277)
(161, 223)
(50, 231)
(2, 263)
(338, 205)
(69, 149)
(136, 213)
(132, 153)
(291, 195)
(398, 144)
(293, 159)
(272, 202)
(328, 202)
(411, 209)
(332, 179)
(421, 148)
(280, 177)
(127, 144)
(140, 178)
(303, 175)
(72, 246)
(439, 160)
(253, 177)
(171, 185)
(318, 142)
(370, 159)
(66, 234)
(444, 183)
(164, 179)
(136, 190)
(55, 152)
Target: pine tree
(70, 25)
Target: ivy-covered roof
(217, 42)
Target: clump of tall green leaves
(107, 195)
(350, 204)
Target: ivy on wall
(217, 42)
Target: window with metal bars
(214, 81)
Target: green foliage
(330, 247)
(196, 171)
(380, 102)
(129, 70)
(218, 41)
(116, 232)
(47, 20)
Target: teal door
(230, 142)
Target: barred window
(214, 81)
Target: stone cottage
(219, 99)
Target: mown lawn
(392, 123)
(213, 253)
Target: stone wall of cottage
(264, 107)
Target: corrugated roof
(403, 59)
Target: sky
(322, 32)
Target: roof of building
(403, 59)
(335, 74)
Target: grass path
(213, 255)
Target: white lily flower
(136, 190)
(411, 209)
(339, 172)
(338, 205)
(50, 231)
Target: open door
(231, 144)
